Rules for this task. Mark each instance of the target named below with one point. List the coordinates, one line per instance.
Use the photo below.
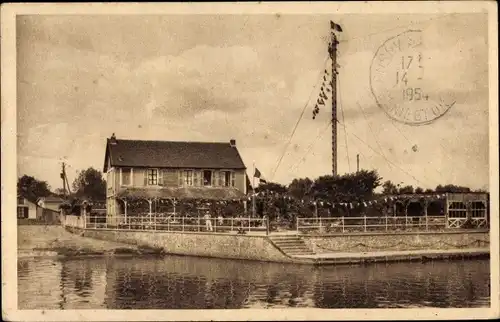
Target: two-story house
(170, 170)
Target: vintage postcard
(250, 161)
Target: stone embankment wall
(199, 244)
(255, 247)
(376, 242)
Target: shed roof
(52, 199)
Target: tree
(406, 190)
(348, 187)
(90, 184)
(31, 188)
(419, 190)
(298, 188)
(60, 192)
(452, 189)
(271, 187)
(389, 188)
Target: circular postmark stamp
(403, 82)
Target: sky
(81, 78)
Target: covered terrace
(181, 201)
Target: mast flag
(335, 26)
(258, 175)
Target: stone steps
(291, 245)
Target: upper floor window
(207, 177)
(226, 179)
(20, 200)
(126, 176)
(152, 177)
(196, 178)
(188, 177)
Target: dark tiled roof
(183, 193)
(172, 154)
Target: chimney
(232, 142)
(112, 140)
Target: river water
(176, 282)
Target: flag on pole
(258, 175)
(335, 26)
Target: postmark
(401, 81)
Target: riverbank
(55, 241)
(316, 250)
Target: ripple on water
(197, 283)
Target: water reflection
(197, 283)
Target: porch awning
(206, 193)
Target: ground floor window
(22, 212)
(478, 209)
(457, 209)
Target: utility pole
(63, 177)
(332, 50)
(357, 162)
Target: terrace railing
(368, 224)
(179, 224)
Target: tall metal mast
(332, 50)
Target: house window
(225, 179)
(152, 177)
(457, 209)
(478, 209)
(22, 212)
(207, 177)
(126, 176)
(196, 178)
(188, 177)
(20, 200)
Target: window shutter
(160, 177)
(214, 179)
(146, 177)
(26, 214)
(220, 178)
(232, 179)
(180, 178)
(196, 176)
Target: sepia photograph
(271, 157)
